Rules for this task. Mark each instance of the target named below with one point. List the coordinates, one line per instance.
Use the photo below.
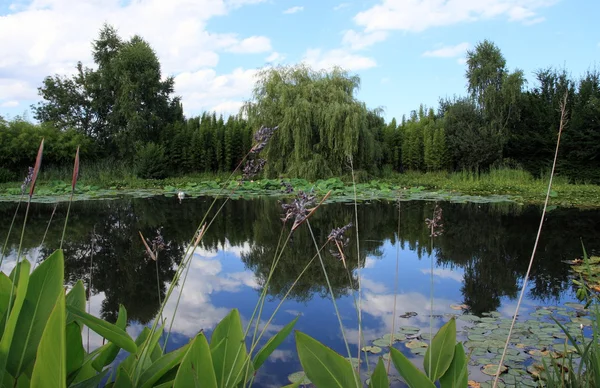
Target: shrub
(6, 175)
(150, 162)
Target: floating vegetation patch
(536, 340)
(58, 191)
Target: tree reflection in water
(490, 243)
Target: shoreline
(403, 187)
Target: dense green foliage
(321, 123)
(125, 112)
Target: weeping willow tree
(321, 123)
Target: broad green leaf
(6, 288)
(323, 366)
(74, 346)
(45, 284)
(457, 375)
(123, 380)
(144, 359)
(129, 362)
(229, 356)
(107, 330)
(409, 372)
(22, 273)
(109, 354)
(76, 299)
(196, 369)
(379, 378)
(273, 343)
(162, 366)
(92, 382)
(86, 371)
(50, 368)
(441, 351)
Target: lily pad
(299, 376)
(469, 318)
(416, 344)
(582, 320)
(492, 369)
(381, 342)
(372, 349)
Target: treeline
(125, 110)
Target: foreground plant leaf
(74, 347)
(109, 354)
(409, 372)
(196, 369)
(323, 366)
(45, 284)
(76, 299)
(228, 350)
(439, 355)
(161, 367)
(107, 330)
(457, 375)
(50, 368)
(273, 343)
(379, 378)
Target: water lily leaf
(416, 344)
(582, 320)
(381, 342)
(469, 318)
(372, 349)
(492, 369)
(299, 376)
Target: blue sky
(407, 52)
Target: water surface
(479, 260)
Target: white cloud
(340, 6)
(444, 273)
(338, 57)
(251, 45)
(419, 15)
(9, 104)
(275, 57)
(205, 90)
(45, 37)
(448, 51)
(293, 10)
(361, 40)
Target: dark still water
(479, 260)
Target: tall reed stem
(359, 307)
(389, 363)
(337, 312)
(12, 223)
(563, 122)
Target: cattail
(148, 250)
(75, 171)
(36, 168)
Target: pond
(478, 261)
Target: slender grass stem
(431, 299)
(389, 363)
(48, 226)
(89, 303)
(62, 238)
(359, 308)
(12, 223)
(337, 312)
(537, 237)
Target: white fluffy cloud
(45, 37)
(320, 59)
(361, 40)
(419, 15)
(206, 89)
(448, 51)
(293, 10)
